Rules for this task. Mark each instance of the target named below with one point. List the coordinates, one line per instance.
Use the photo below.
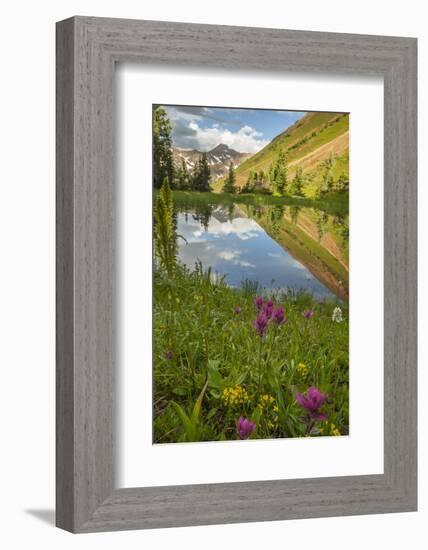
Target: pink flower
(258, 302)
(308, 314)
(237, 310)
(278, 315)
(312, 403)
(268, 308)
(169, 354)
(260, 324)
(245, 427)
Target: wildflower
(266, 400)
(269, 411)
(169, 354)
(268, 309)
(302, 369)
(337, 315)
(234, 395)
(258, 302)
(245, 427)
(312, 402)
(333, 430)
(261, 323)
(308, 313)
(278, 315)
(237, 310)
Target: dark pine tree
(163, 166)
(202, 175)
(281, 173)
(297, 184)
(182, 177)
(229, 184)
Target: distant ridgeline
(310, 158)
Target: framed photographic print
(236, 274)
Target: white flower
(337, 315)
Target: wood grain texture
(87, 49)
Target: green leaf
(255, 417)
(185, 420)
(198, 405)
(242, 377)
(215, 379)
(179, 391)
(212, 412)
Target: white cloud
(245, 140)
(227, 255)
(242, 228)
(234, 257)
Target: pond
(278, 246)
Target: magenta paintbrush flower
(258, 302)
(308, 313)
(245, 427)
(261, 323)
(237, 310)
(169, 354)
(268, 308)
(312, 403)
(278, 315)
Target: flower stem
(260, 368)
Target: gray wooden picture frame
(87, 50)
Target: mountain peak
(222, 148)
(219, 158)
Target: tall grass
(165, 238)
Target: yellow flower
(265, 402)
(333, 430)
(234, 395)
(302, 369)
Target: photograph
(250, 274)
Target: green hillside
(309, 143)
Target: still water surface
(236, 246)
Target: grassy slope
(329, 139)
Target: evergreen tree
(281, 173)
(229, 185)
(183, 178)
(327, 178)
(163, 166)
(271, 176)
(247, 186)
(255, 179)
(202, 175)
(343, 183)
(297, 184)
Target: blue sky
(245, 130)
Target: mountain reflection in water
(278, 246)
